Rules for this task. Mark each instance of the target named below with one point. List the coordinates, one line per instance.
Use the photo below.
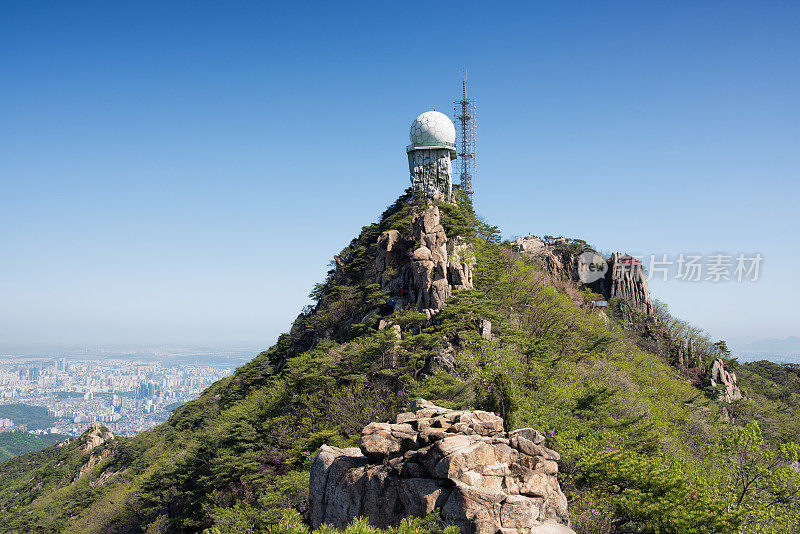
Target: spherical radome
(433, 129)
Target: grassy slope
(240, 453)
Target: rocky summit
(428, 274)
(480, 477)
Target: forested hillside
(18, 442)
(34, 417)
(644, 447)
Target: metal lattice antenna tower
(465, 111)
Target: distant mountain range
(790, 344)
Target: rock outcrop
(687, 356)
(625, 278)
(727, 380)
(628, 281)
(461, 462)
(96, 435)
(92, 440)
(427, 275)
(557, 262)
(392, 252)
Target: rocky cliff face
(463, 463)
(624, 277)
(96, 435)
(92, 440)
(557, 262)
(690, 361)
(727, 380)
(426, 268)
(687, 357)
(419, 268)
(627, 280)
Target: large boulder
(463, 463)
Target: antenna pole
(465, 111)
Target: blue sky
(182, 172)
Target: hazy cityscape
(128, 391)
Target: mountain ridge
(607, 385)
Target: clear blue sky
(182, 172)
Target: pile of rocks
(462, 462)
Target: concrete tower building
(432, 149)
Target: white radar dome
(433, 129)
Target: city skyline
(128, 396)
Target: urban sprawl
(127, 396)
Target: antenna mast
(465, 111)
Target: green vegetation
(772, 395)
(568, 245)
(643, 450)
(292, 523)
(35, 417)
(17, 442)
